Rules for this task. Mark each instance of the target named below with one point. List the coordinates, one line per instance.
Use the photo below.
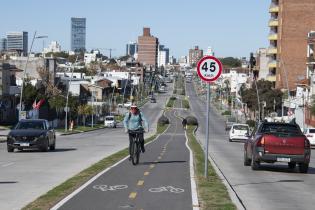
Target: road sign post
(209, 69)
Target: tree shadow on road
(158, 162)
(8, 182)
(272, 182)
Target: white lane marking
(109, 188)
(194, 194)
(66, 199)
(8, 164)
(167, 189)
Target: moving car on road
(29, 134)
(310, 134)
(153, 100)
(229, 122)
(239, 132)
(110, 122)
(274, 142)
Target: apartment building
(195, 55)
(148, 49)
(290, 22)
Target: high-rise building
(262, 63)
(3, 44)
(195, 55)
(290, 23)
(17, 41)
(131, 49)
(148, 48)
(78, 34)
(163, 56)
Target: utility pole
(110, 52)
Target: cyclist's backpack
(140, 118)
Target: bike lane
(162, 179)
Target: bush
(251, 123)
(163, 120)
(191, 120)
(186, 104)
(173, 98)
(226, 113)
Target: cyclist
(184, 123)
(135, 121)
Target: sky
(231, 27)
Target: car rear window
(240, 127)
(281, 129)
(311, 130)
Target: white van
(239, 132)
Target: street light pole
(24, 73)
(67, 99)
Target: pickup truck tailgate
(293, 145)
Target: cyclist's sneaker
(142, 149)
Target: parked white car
(110, 122)
(127, 105)
(239, 132)
(310, 135)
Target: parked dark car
(272, 142)
(153, 100)
(29, 134)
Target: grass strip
(186, 104)
(55, 195)
(171, 102)
(212, 193)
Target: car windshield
(30, 125)
(281, 129)
(109, 118)
(240, 127)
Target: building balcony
(274, 8)
(311, 60)
(272, 64)
(272, 50)
(274, 23)
(271, 77)
(273, 37)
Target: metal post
(93, 107)
(67, 99)
(207, 130)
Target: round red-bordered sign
(209, 68)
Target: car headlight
(42, 136)
(9, 137)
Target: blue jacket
(134, 122)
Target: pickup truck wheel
(10, 149)
(230, 140)
(303, 167)
(52, 147)
(246, 160)
(292, 165)
(255, 164)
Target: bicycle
(135, 147)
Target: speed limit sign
(209, 68)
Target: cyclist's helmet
(133, 106)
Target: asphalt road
(26, 175)
(272, 187)
(160, 181)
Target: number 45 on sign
(209, 68)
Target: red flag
(39, 103)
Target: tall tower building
(195, 55)
(131, 49)
(3, 44)
(78, 34)
(290, 23)
(148, 48)
(17, 41)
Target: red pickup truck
(272, 142)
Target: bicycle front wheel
(133, 153)
(138, 152)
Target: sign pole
(209, 69)
(207, 130)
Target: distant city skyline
(231, 28)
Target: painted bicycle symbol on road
(109, 188)
(166, 189)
